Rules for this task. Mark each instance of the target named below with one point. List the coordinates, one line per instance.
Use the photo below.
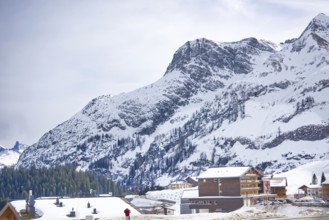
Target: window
(219, 187)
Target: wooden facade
(9, 213)
(281, 192)
(249, 183)
(276, 185)
(325, 190)
(219, 187)
(225, 189)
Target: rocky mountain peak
(9, 156)
(19, 147)
(219, 104)
(203, 58)
(190, 50)
(319, 26)
(253, 43)
(319, 23)
(315, 35)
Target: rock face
(249, 102)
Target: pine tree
(58, 181)
(213, 156)
(314, 180)
(323, 178)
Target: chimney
(31, 203)
(72, 213)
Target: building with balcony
(223, 189)
(275, 185)
(180, 185)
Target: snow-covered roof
(190, 193)
(145, 203)
(314, 186)
(106, 207)
(311, 186)
(224, 172)
(169, 194)
(278, 182)
(193, 178)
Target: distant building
(223, 189)
(192, 180)
(325, 189)
(180, 185)
(275, 185)
(312, 190)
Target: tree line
(57, 181)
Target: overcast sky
(55, 56)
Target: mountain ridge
(216, 103)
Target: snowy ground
(106, 207)
(296, 178)
(243, 213)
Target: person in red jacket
(127, 213)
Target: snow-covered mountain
(249, 102)
(9, 157)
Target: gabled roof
(224, 172)
(314, 186)
(311, 186)
(278, 182)
(192, 177)
(190, 193)
(9, 209)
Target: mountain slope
(249, 102)
(306, 171)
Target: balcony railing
(249, 181)
(249, 188)
(250, 175)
